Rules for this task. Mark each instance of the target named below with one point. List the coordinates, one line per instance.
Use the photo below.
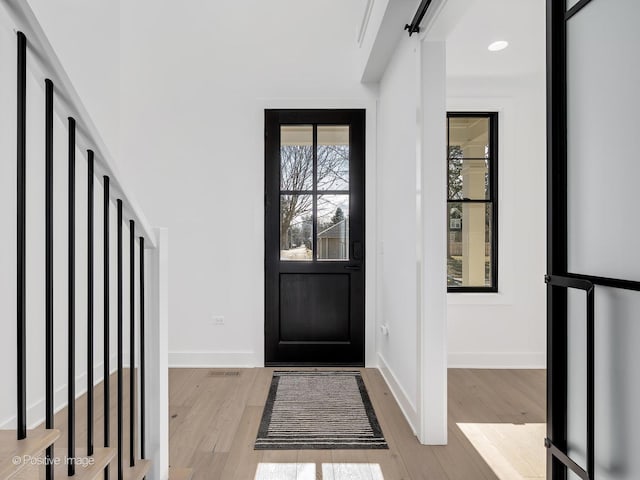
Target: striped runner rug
(318, 410)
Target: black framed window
(472, 201)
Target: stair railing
(62, 99)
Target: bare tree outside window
(296, 209)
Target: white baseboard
(407, 406)
(214, 360)
(518, 360)
(36, 411)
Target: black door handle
(352, 267)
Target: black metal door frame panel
(558, 278)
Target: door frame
(371, 225)
(273, 264)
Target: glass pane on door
(333, 227)
(333, 157)
(296, 157)
(296, 227)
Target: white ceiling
(520, 22)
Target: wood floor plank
(316, 457)
(419, 460)
(222, 428)
(513, 405)
(242, 459)
(460, 460)
(260, 387)
(180, 473)
(217, 407)
(206, 466)
(214, 417)
(390, 461)
(183, 382)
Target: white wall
(507, 329)
(35, 246)
(397, 217)
(194, 84)
(86, 37)
(500, 330)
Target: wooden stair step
(95, 464)
(138, 472)
(180, 473)
(11, 448)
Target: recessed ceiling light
(499, 45)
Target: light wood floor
(496, 429)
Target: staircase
(13, 452)
(105, 430)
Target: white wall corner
(432, 201)
(406, 404)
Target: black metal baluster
(142, 362)
(120, 325)
(90, 302)
(107, 346)
(71, 370)
(48, 159)
(21, 285)
(591, 377)
(132, 339)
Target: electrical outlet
(217, 320)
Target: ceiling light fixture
(499, 45)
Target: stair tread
(10, 447)
(101, 458)
(180, 473)
(138, 472)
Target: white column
(157, 358)
(432, 248)
(473, 217)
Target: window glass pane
(333, 157)
(296, 227)
(469, 247)
(469, 137)
(333, 227)
(468, 179)
(296, 157)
